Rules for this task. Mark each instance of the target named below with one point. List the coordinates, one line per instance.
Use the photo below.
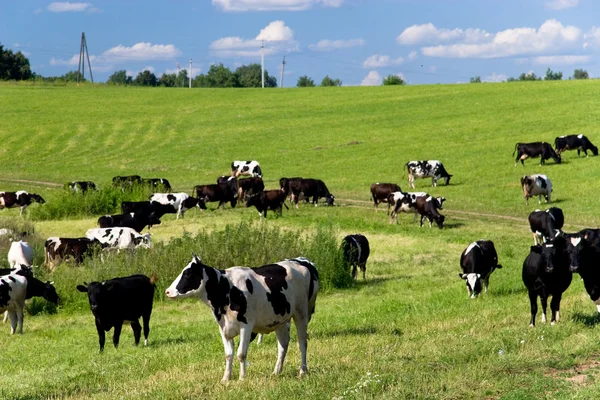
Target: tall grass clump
(323, 249)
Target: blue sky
(357, 41)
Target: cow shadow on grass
(508, 291)
(585, 319)
(369, 282)
(168, 341)
(354, 331)
(453, 225)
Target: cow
(20, 199)
(405, 202)
(20, 253)
(179, 201)
(35, 287)
(119, 238)
(57, 249)
(157, 183)
(584, 250)
(126, 182)
(314, 188)
(249, 186)
(536, 185)
(427, 207)
(433, 169)
(546, 273)
(135, 220)
(268, 199)
(226, 192)
(534, 150)
(381, 191)
(120, 300)
(147, 207)
(356, 251)
(477, 262)
(249, 301)
(546, 225)
(251, 168)
(286, 185)
(225, 178)
(80, 186)
(574, 142)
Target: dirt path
(39, 183)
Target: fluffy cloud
(380, 61)
(60, 7)
(560, 60)
(372, 79)
(430, 34)
(277, 35)
(494, 77)
(592, 37)
(551, 36)
(412, 55)
(329, 45)
(561, 4)
(273, 5)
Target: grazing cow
(120, 300)
(20, 253)
(119, 238)
(126, 182)
(286, 185)
(268, 199)
(546, 225)
(221, 192)
(147, 207)
(179, 201)
(314, 188)
(13, 289)
(536, 185)
(574, 142)
(250, 186)
(80, 186)
(405, 202)
(356, 252)
(381, 192)
(20, 199)
(427, 207)
(225, 178)
(135, 220)
(157, 183)
(535, 149)
(433, 169)
(57, 249)
(248, 301)
(546, 273)
(246, 168)
(584, 250)
(477, 262)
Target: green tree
(145, 78)
(167, 80)
(200, 81)
(327, 81)
(580, 74)
(119, 78)
(476, 79)
(393, 80)
(71, 76)
(305, 81)
(220, 76)
(249, 76)
(553, 76)
(529, 76)
(183, 79)
(13, 66)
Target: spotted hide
(20, 199)
(248, 301)
(356, 252)
(119, 238)
(536, 185)
(251, 168)
(584, 250)
(477, 262)
(13, 290)
(574, 142)
(433, 169)
(179, 201)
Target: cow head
(50, 292)
(439, 220)
(97, 293)
(447, 179)
(579, 249)
(329, 199)
(253, 200)
(194, 202)
(473, 282)
(594, 149)
(440, 202)
(37, 198)
(554, 253)
(191, 280)
(144, 241)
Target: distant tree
(145, 78)
(167, 80)
(221, 76)
(71, 76)
(476, 79)
(200, 81)
(327, 81)
(119, 78)
(13, 66)
(580, 74)
(553, 76)
(183, 79)
(529, 76)
(512, 79)
(393, 80)
(305, 81)
(249, 76)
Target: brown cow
(268, 199)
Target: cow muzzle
(574, 268)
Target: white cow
(20, 253)
(536, 185)
(249, 301)
(433, 169)
(251, 168)
(13, 291)
(180, 201)
(120, 238)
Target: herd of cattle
(252, 301)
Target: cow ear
(478, 275)
(82, 288)
(462, 276)
(51, 283)
(195, 257)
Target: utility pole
(190, 72)
(177, 76)
(262, 64)
(282, 69)
(83, 53)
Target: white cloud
(148, 68)
(561, 4)
(329, 45)
(592, 37)
(372, 79)
(277, 36)
(551, 36)
(273, 5)
(412, 55)
(380, 61)
(494, 77)
(561, 60)
(430, 34)
(66, 6)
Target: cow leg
(354, 271)
(534, 307)
(117, 333)
(535, 238)
(146, 321)
(422, 216)
(260, 338)
(245, 333)
(578, 153)
(377, 205)
(283, 341)
(101, 335)
(486, 283)
(430, 221)
(540, 199)
(411, 181)
(13, 321)
(433, 182)
(555, 307)
(137, 331)
(228, 346)
(363, 268)
(301, 331)
(5, 317)
(544, 301)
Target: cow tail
(286, 207)
(153, 279)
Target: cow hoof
(553, 323)
(531, 325)
(225, 381)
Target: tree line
(550, 76)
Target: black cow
(221, 192)
(267, 200)
(356, 252)
(118, 300)
(157, 184)
(314, 188)
(148, 207)
(584, 249)
(546, 273)
(249, 186)
(574, 142)
(286, 185)
(535, 149)
(546, 225)
(381, 192)
(477, 262)
(80, 186)
(57, 249)
(134, 220)
(428, 207)
(20, 199)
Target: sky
(357, 41)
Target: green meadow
(408, 331)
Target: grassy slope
(410, 324)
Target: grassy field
(409, 331)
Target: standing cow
(119, 238)
(574, 142)
(356, 252)
(477, 262)
(20, 253)
(433, 169)
(251, 168)
(535, 149)
(584, 250)
(380, 193)
(20, 199)
(536, 185)
(546, 225)
(181, 202)
(267, 200)
(80, 186)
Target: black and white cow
(120, 300)
(534, 150)
(251, 168)
(546, 225)
(433, 169)
(536, 185)
(406, 202)
(380, 193)
(57, 249)
(226, 192)
(179, 201)
(584, 250)
(356, 251)
(249, 301)
(546, 273)
(477, 262)
(20, 253)
(119, 238)
(574, 142)
(80, 186)
(135, 220)
(267, 200)
(314, 188)
(20, 199)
